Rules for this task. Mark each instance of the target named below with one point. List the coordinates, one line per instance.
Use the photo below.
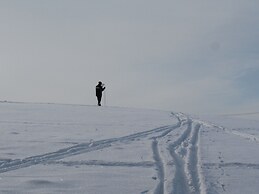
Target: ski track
(144, 164)
(9, 165)
(180, 182)
(159, 166)
(232, 164)
(246, 136)
(193, 161)
(184, 161)
(249, 137)
(182, 158)
(184, 151)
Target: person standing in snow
(99, 89)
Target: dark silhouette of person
(99, 90)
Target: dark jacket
(99, 89)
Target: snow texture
(54, 148)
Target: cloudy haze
(190, 56)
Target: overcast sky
(192, 56)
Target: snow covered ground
(54, 148)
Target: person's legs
(99, 98)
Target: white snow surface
(55, 148)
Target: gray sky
(191, 56)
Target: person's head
(100, 83)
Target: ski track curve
(9, 165)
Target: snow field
(51, 148)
